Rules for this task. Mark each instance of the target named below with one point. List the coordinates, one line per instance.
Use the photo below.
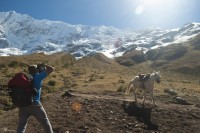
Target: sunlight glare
(139, 9)
(152, 2)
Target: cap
(32, 69)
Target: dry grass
(96, 74)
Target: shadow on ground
(143, 114)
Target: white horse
(146, 84)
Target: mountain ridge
(21, 34)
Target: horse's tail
(128, 88)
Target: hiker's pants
(36, 110)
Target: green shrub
(13, 64)
(52, 83)
(5, 70)
(122, 88)
(66, 65)
(2, 65)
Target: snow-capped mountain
(22, 34)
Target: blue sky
(131, 14)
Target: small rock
(98, 129)
(181, 100)
(137, 125)
(67, 93)
(197, 105)
(170, 92)
(126, 126)
(5, 129)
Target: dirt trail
(109, 113)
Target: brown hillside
(131, 58)
(98, 84)
(182, 57)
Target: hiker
(39, 73)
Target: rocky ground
(111, 113)
(97, 103)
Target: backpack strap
(34, 90)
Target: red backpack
(21, 90)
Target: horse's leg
(144, 97)
(135, 93)
(129, 87)
(153, 98)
